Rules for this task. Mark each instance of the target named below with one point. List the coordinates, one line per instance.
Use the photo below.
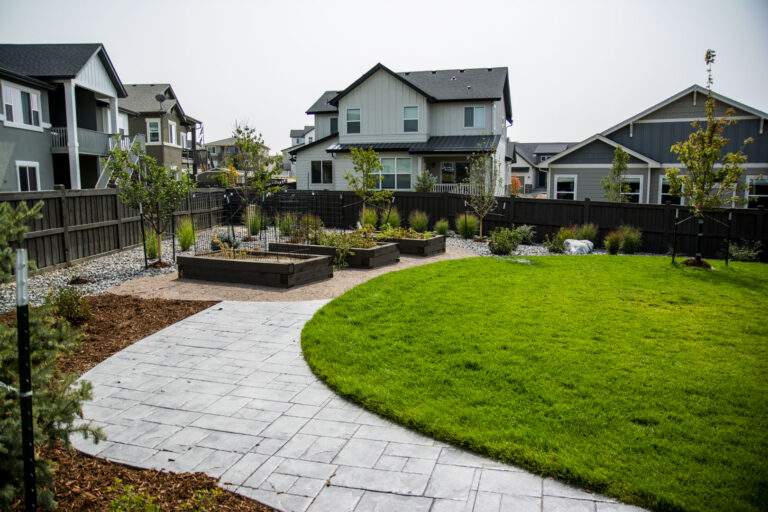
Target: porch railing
(454, 188)
(89, 141)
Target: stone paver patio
(227, 392)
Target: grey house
(576, 172)
(526, 160)
(417, 121)
(59, 112)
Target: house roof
(49, 61)
(300, 132)
(527, 150)
(321, 140)
(438, 144)
(473, 84)
(550, 147)
(321, 105)
(141, 98)
(694, 88)
(229, 141)
(601, 138)
(23, 79)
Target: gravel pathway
(227, 392)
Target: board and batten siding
(684, 108)
(381, 99)
(93, 76)
(302, 167)
(323, 125)
(447, 118)
(596, 152)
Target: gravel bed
(481, 248)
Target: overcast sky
(576, 67)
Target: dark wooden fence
(79, 224)
(341, 209)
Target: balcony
(454, 188)
(90, 142)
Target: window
(542, 158)
(634, 189)
(322, 171)
(21, 106)
(153, 130)
(212, 149)
(410, 119)
(310, 139)
(565, 187)
(664, 193)
(474, 117)
(395, 173)
(353, 120)
(172, 133)
(28, 176)
(757, 191)
(453, 172)
(334, 125)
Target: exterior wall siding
(683, 108)
(596, 152)
(94, 77)
(24, 145)
(323, 124)
(448, 118)
(381, 99)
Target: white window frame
(641, 190)
(25, 163)
(750, 179)
(159, 140)
(566, 177)
(173, 133)
(475, 117)
(18, 115)
(359, 121)
(396, 159)
(405, 108)
(321, 182)
(662, 179)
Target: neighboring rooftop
(321, 106)
(301, 132)
(141, 98)
(528, 149)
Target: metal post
(728, 239)
(699, 237)
(674, 235)
(25, 381)
(173, 235)
(143, 235)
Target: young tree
(704, 186)
(143, 183)
(364, 180)
(484, 178)
(260, 169)
(614, 185)
(515, 186)
(14, 222)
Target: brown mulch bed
(82, 481)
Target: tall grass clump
(286, 223)
(418, 220)
(467, 224)
(186, 233)
(390, 218)
(254, 219)
(442, 226)
(152, 243)
(586, 232)
(368, 217)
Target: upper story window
(410, 119)
(310, 139)
(28, 176)
(757, 191)
(212, 150)
(153, 130)
(21, 106)
(172, 134)
(298, 141)
(334, 125)
(353, 120)
(474, 117)
(543, 158)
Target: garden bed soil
(281, 270)
(372, 257)
(420, 246)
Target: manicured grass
(624, 375)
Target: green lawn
(624, 375)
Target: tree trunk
(699, 236)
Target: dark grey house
(576, 172)
(59, 113)
(526, 159)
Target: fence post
(63, 203)
(512, 211)
(668, 220)
(587, 201)
(210, 209)
(119, 217)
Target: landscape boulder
(578, 246)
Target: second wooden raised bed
(383, 254)
(420, 246)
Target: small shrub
(612, 241)
(306, 226)
(745, 251)
(186, 233)
(344, 243)
(390, 218)
(368, 217)
(525, 233)
(254, 219)
(632, 239)
(585, 232)
(556, 243)
(69, 304)
(286, 223)
(442, 226)
(467, 224)
(130, 500)
(503, 241)
(202, 500)
(152, 243)
(418, 220)
(425, 182)
(224, 241)
(388, 233)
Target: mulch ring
(82, 482)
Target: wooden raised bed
(419, 246)
(373, 257)
(281, 270)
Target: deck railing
(89, 141)
(454, 188)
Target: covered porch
(451, 172)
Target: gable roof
(694, 88)
(299, 133)
(527, 150)
(50, 61)
(141, 98)
(601, 138)
(302, 147)
(475, 84)
(321, 105)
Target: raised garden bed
(372, 257)
(420, 246)
(282, 270)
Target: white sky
(576, 67)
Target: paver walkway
(227, 392)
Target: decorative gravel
(481, 248)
